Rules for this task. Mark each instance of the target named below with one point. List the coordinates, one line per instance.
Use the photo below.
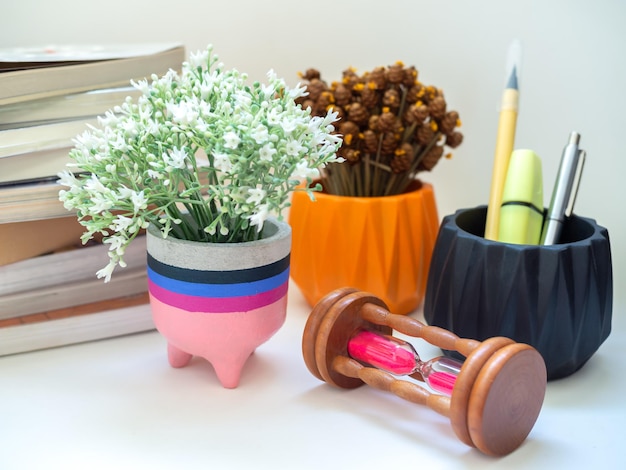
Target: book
(23, 240)
(71, 294)
(98, 320)
(56, 299)
(35, 73)
(65, 107)
(40, 151)
(35, 200)
(68, 278)
(34, 166)
(45, 136)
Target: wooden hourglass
(495, 395)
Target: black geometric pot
(557, 298)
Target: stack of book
(49, 294)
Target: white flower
(222, 162)
(67, 178)
(260, 134)
(117, 243)
(256, 195)
(176, 158)
(298, 92)
(273, 117)
(100, 202)
(199, 59)
(183, 113)
(303, 171)
(142, 86)
(121, 223)
(289, 125)
(109, 119)
(139, 201)
(129, 126)
(231, 140)
(88, 140)
(259, 217)
(154, 174)
(95, 186)
(294, 148)
(107, 271)
(266, 152)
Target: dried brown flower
(343, 95)
(431, 158)
(410, 76)
(415, 93)
(370, 141)
(350, 78)
(437, 107)
(391, 99)
(401, 160)
(369, 96)
(310, 74)
(416, 114)
(389, 143)
(373, 122)
(315, 87)
(358, 113)
(377, 77)
(349, 130)
(392, 125)
(395, 73)
(352, 155)
(386, 122)
(454, 140)
(323, 102)
(424, 134)
(449, 122)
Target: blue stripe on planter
(236, 276)
(218, 290)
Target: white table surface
(117, 404)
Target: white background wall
(573, 77)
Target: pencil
(505, 140)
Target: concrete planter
(219, 301)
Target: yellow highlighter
(521, 212)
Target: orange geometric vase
(382, 245)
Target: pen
(505, 139)
(565, 190)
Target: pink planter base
(226, 340)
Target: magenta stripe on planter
(193, 303)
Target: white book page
(81, 52)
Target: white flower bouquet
(201, 154)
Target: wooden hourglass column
(497, 395)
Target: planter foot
(229, 369)
(176, 357)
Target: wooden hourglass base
(497, 396)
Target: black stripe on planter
(219, 277)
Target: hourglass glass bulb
(440, 373)
(400, 358)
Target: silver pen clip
(582, 155)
